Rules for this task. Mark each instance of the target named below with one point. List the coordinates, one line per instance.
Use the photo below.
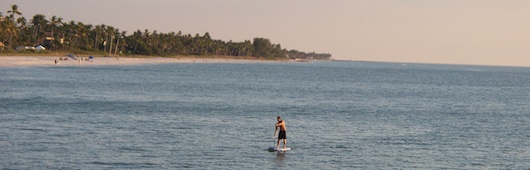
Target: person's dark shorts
(282, 135)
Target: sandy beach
(43, 61)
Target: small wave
(124, 164)
(339, 147)
(135, 149)
(34, 129)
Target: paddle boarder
(282, 135)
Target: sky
(471, 32)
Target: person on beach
(282, 135)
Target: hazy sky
(485, 32)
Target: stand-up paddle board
(283, 149)
(272, 149)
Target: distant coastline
(47, 60)
(42, 35)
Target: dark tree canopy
(54, 34)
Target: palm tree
(147, 37)
(7, 29)
(97, 31)
(86, 44)
(83, 31)
(23, 31)
(104, 31)
(248, 48)
(2, 26)
(39, 22)
(110, 32)
(120, 37)
(14, 11)
(54, 22)
(22, 22)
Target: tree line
(78, 37)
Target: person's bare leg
(278, 144)
(284, 143)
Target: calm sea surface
(339, 115)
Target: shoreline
(49, 61)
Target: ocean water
(339, 115)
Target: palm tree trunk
(96, 42)
(117, 44)
(105, 44)
(110, 46)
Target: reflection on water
(280, 159)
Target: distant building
(49, 36)
(40, 48)
(30, 48)
(48, 40)
(24, 48)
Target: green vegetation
(77, 37)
